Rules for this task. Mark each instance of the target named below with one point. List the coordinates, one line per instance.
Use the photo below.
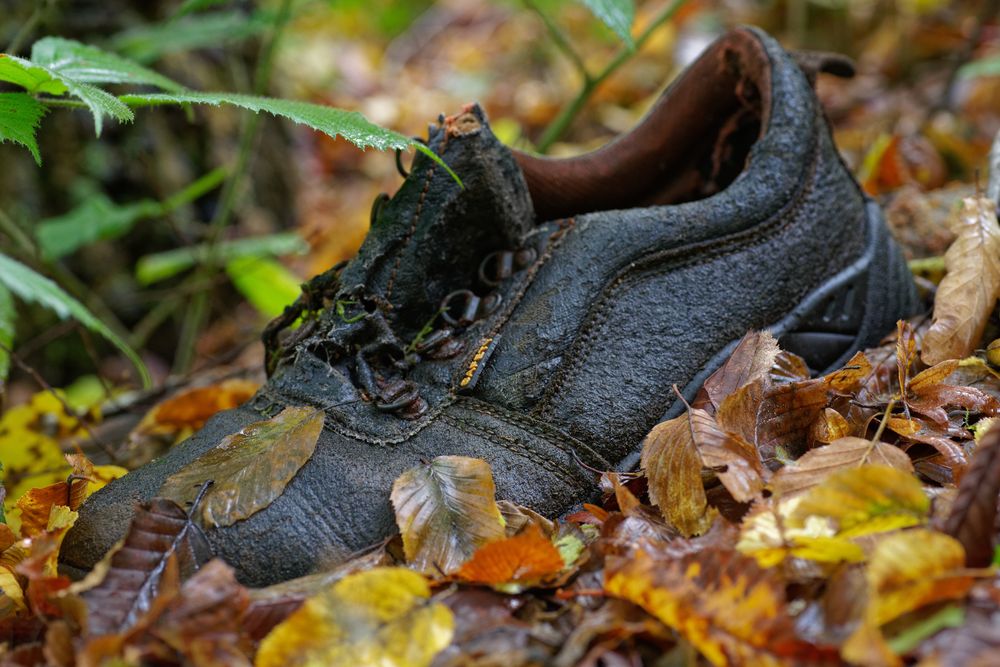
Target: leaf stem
(561, 40)
(198, 312)
(558, 126)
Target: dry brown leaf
(852, 375)
(969, 290)
(752, 359)
(789, 367)
(818, 464)
(445, 511)
(829, 426)
(250, 468)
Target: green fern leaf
(617, 15)
(33, 287)
(330, 120)
(7, 318)
(20, 114)
(88, 64)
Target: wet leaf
(673, 466)
(818, 464)
(771, 535)
(160, 531)
(974, 511)
(908, 570)
(445, 511)
(969, 290)
(752, 359)
(867, 499)
(722, 602)
(852, 375)
(829, 426)
(522, 559)
(250, 468)
(379, 617)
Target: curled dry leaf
(522, 559)
(730, 609)
(846, 453)
(969, 290)
(379, 617)
(250, 468)
(160, 531)
(446, 510)
(908, 570)
(36, 505)
(864, 500)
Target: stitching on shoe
(689, 256)
(409, 234)
(516, 446)
(539, 429)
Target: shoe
(538, 317)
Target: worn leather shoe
(538, 317)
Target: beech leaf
(866, 499)
(250, 468)
(752, 359)
(969, 289)
(974, 511)
(522, 559)
(445, 511)
(379, 617)
(722, 602)
(818, 464)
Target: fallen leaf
(522, 559)
(250, 468)
(446, 510)
(180, 415)
(852, 375)
(379, 617)
(673, 466)
(729, 608)
(969, 290)
(974, 511)
(752, 359)
(867, 499)
(829, 426)
(819, 463)
(160, 530)
(908, 570)
(771, 535)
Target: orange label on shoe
(477, 363)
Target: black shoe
(538, 318)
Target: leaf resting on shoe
(969, 290)
(446, 510)
(379, 617)
(250, 468)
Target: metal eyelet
(466, 312)
(496, 267)
(377, 205)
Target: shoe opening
(692, 144)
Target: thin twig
(9, 227)
(561, 122)
(993, 184)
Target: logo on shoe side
(477, 363)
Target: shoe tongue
(431, 237)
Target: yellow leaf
(381, 617)
(730, 609)
(969, 290)
(770, 537)
(864, 500)
(250, 468)
(908, 570)
(446, 510)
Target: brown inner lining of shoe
(693, 142)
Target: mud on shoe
(538, 317)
